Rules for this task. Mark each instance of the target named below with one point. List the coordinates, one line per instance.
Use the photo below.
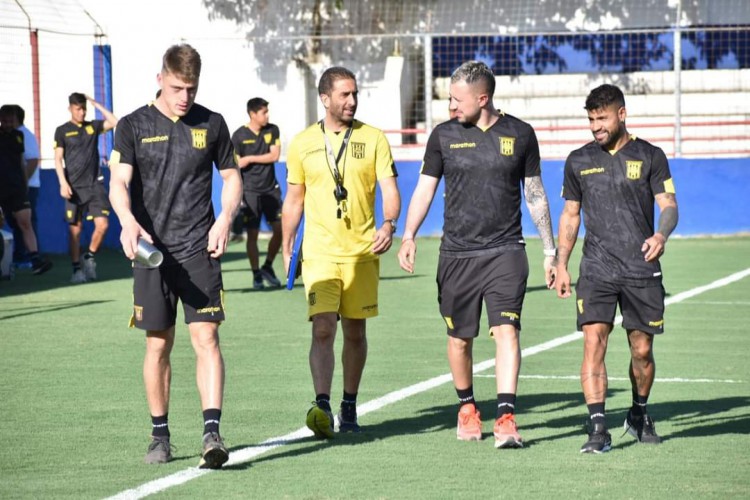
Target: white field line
(680, 380)
(250, 452)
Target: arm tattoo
(536, 200)
(668, 221)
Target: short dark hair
(183, 61)
(603, 96)
(473, 72)
(256, 104)
(329, 76)
(20, 113)
(77, 98)
(7, 109)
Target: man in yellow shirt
(333, 168)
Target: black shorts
(196, 282)
(642, 308)
(267, 205)
(92, 200)
(14, 201)
(499, 279)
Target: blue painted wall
(713, 196)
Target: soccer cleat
(258, 281)
(267, 273)
(320, 421)
(159, 451)
(40, 266)
(89, 269)
(214, 453)
(642, 428)
(78, 277)
(469, 427)
(506, 433)
(348, 424)
(600, 440)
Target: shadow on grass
(18, 312)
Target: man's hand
(65, 190)
(407, 254)
(131, 232)
(383, 239)
(653, 247)
(218, 237)
(550, 271)
(562, 282)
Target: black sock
(268, 264)
(349, 406)
(33, 256)
(639, 405)
(76, 266)
(596, 413)
(211, 418)
(323, 401)
(466, 396)
(506, 403)
(160, 426)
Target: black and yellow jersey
(616, 192)
(80, 145)
(257, 177)
(484, 171)
(172, 164)
(12, 176)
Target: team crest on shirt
(267, 137)
(633, 169)
(311, 299)
(579, 302)
(507, 145)
(199, 137)
(358, 150)
(89, 130)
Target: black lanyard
(333, 163)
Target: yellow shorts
(349, 289)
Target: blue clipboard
(295, 264)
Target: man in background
(258, 146)
(81, 182)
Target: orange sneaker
(506, 434)
(469, 426)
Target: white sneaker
(78, 277)
(89, 269)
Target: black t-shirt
(172, 172)
(257, 177)
(616, 193)
(483, 172)
(12, 176)
(81, 151)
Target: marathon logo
(157, 138)
(595, 170)
(510, 315)
(657, 324)
(371, 307)
(358, 150)
(248, 141)
(463, 145)
(507, 146)
(209, 310)
(633, 170)
(199, 137)
(71, 134)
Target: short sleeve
(532, 161)
(124, 148)
(275, 136)
(384, 164)
(571, 187)
(661, 178)
(295, 174)
(224, 152)
(31, 146)
(432, 164)
(59, 138)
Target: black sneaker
(41, 266)
(258, 281)
(159, 451)
(348, 421)
(642, 428)
(214, 453)
(267, 272)
(600, 441)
